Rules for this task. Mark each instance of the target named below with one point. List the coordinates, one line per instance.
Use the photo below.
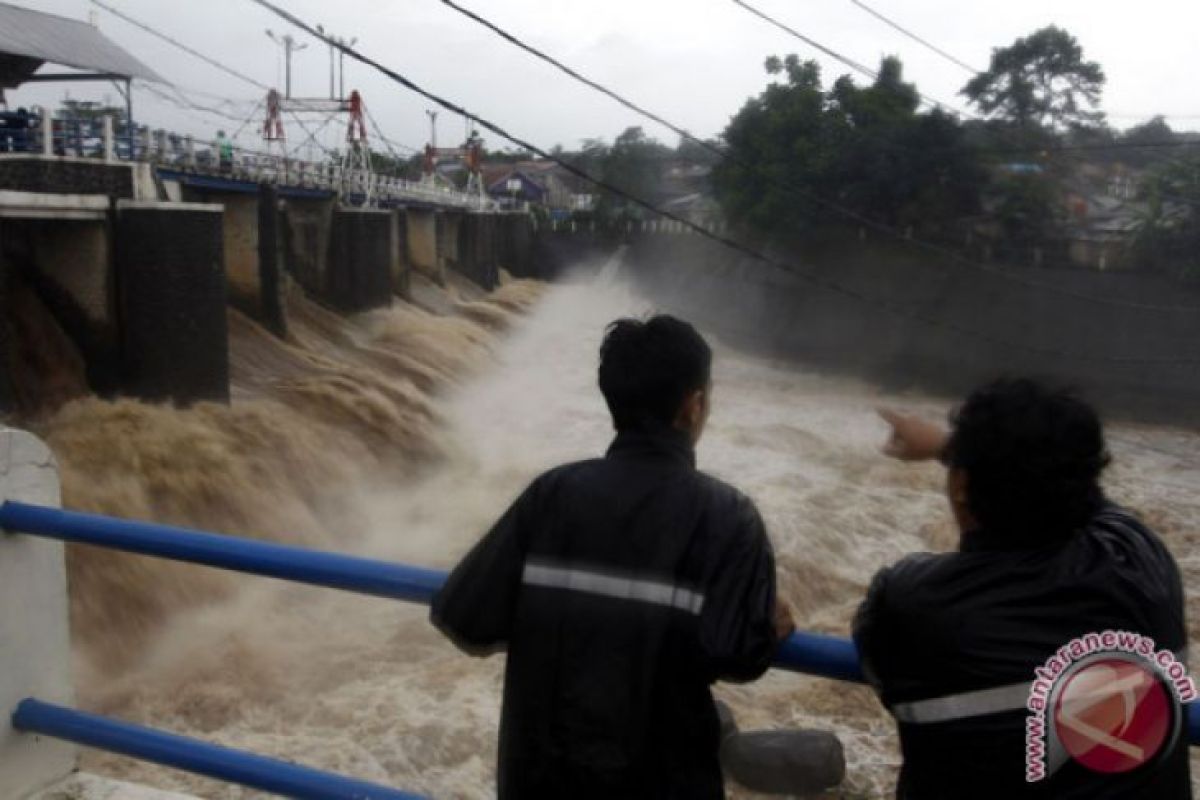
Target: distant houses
(542, 184)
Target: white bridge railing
(165, 150)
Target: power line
(756, 255)
(854, 65)
(725, 153)
(915, 37)
(153, 32)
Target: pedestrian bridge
(176, 160)
(39, 728)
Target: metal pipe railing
(192, 755)
(814, 653)
(811, 653)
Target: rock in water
(789, 762)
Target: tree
(633, 164)
(1168, 235)
(1041, 80)
(798, 151)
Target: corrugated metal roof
(69, 42)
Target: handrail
(812, 653)
(192, 755)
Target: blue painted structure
(816, 654)
(192, 755)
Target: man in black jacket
(622, 587)
(1043, 658)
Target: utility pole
(342, 64)
(432, 128)
(321, 30)
(289, 45)
(335, 45)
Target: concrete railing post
(35, 647)
(160, 145)
(47, 133)
(110, 145)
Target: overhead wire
(931, 46)
(784, 267)
(829, 51)
(725, 153)
(170, 40)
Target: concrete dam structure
(140, 284)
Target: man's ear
(690, 410)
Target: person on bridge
(1040, 659)
(622, 587)
(224, 153)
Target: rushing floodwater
(366, 687)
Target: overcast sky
(693, 61)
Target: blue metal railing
(811, 653)
(814, 653)
(192, 755)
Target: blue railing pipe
(300, 564)
(810, 653)
(193, 755)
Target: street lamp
(289, 45)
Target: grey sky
(693, 61)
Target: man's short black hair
(648, 367)
(1033, 457)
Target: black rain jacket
(985, 617)
(621, 588)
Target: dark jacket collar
(658, 442)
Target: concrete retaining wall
(478, 249)
(361, 259)
(60, 175)
(172, 296)
(757, 306)
(421, 242)
(69, 264)
(35, 649)
(307, 226)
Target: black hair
(648, 367)
(1033, 456)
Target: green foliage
(1168, 236)
(1041, 80)
(634, 164)
(796, 146)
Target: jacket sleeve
(737, 617)
(475, 607)
(871, 630)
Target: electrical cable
(915, 37)
(725, 153)
(750, 252)
(854, 65)
(152, 31)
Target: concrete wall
(307, 225)
(361, 259)
(35, 651)
(400, 263)
(448, 224)
(1060, 335)
(69, 264)
(478, 249)
(60, 175)
(421, 242)
(240, 218)
(172, 296)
